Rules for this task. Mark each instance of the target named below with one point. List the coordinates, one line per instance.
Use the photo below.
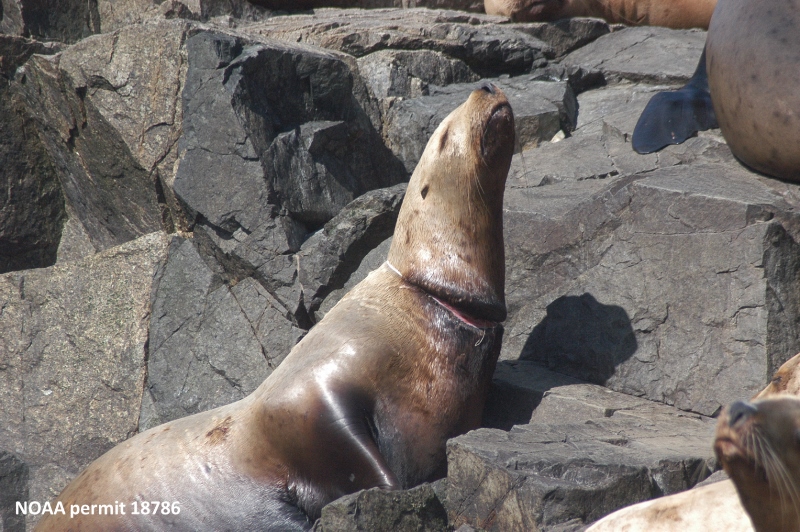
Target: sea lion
(758, 445)
(703, 509)
(752, 78)
(371, 395)
(785, 380)
(671, 117)
(711, 507)
(676, 14)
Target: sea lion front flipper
(672, 117)
(348, 433)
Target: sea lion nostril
(488, 87)
(740, 410)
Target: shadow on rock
(582, 337)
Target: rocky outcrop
(644, 291)
(73, 346)
(378, 510)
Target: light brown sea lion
(370, 396)
(758, 445)
(712, 507)
(676, 14)
(785, 380)
(749, 74)
(704, 509)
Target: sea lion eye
(424, 191)
(797, 436)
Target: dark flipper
(674, 116)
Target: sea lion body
(758, 445)
(707, 508)
(676, 14)
(753, 62)
(370, 396)
(785, 380)
(746, 84)
(712, 507)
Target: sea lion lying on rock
(711, 507)
(370, 396)
(746, 82)
(670, 13)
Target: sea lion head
(449, 235)
(758, 444)
(785, 380)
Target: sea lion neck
(449, 235)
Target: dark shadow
(13, 489)
(579, 340)
(582, 338)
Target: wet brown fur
(761, 453)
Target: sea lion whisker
(778, 477)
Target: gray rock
(646, 53)
(13, 489)
(466, 5)
(481, 41)
(71, 21)
(608, 291)
(32, 209)
(567, 34)
(286, 131)
(210, 344)
(68, 333)
(377, 510)
(329, 257)
(408, 73)
(104, 187)
(587, 452)
(65, 21)
(133, 77)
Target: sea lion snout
(739, 412)
(489, 87)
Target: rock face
(583, 451)
(72, 360)
(188, 187)
(378, 510)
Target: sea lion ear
(797, 436)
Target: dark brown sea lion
(758, 445)
(670, 13)
(370, 396)
(750, 72)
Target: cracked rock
(485, 44)
(67, 333)
(210, 344)
(607, 289)
(585, 452)
(376, 510)
(645, 53)
(32, 211)
(286, 131)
